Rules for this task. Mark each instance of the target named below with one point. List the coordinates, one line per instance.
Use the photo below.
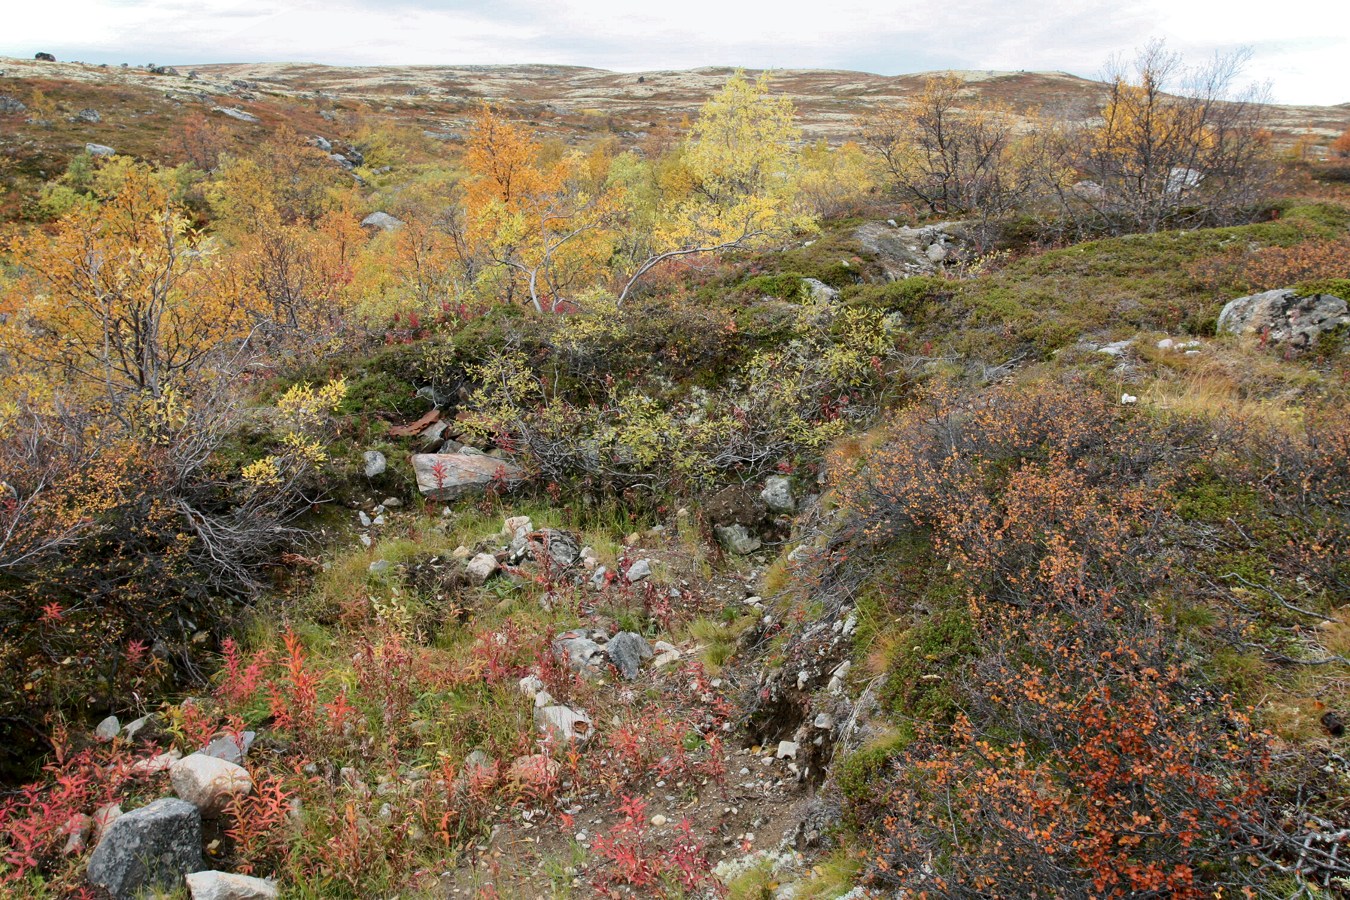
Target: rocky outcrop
(903, 252)
(1282, 317)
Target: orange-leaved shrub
(1089, 755)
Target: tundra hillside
(416, 485)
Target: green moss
(921, 683)
(784, 286)
(1336, 287)
(1213, 500)
(861, 769)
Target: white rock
(787, 750)
(208, 783)
(229, 886)
(375, 463)
(531, 685)
(1128, 399)
(564, 725)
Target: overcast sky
(1303, 50)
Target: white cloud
(1300, 52)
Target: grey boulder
(154, 846)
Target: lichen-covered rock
(154, 846)
(777, 495)
(736, 539)
(626, 650)
(1283, 317)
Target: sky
(1300, 52)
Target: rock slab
(445, 476)
(229, 886)
(154, 846)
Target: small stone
(658, 820)
(365, 519)
(108, 729)
(366, 541)
(461, 552)
(823, 721)
(1128, 399)
(99, 150)
(391, 503)
(598, 579)
(639, 571)
(482, 567)
(375, 463)
(229, 886)
(231, 747)
(531, 685)
(787, 750)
